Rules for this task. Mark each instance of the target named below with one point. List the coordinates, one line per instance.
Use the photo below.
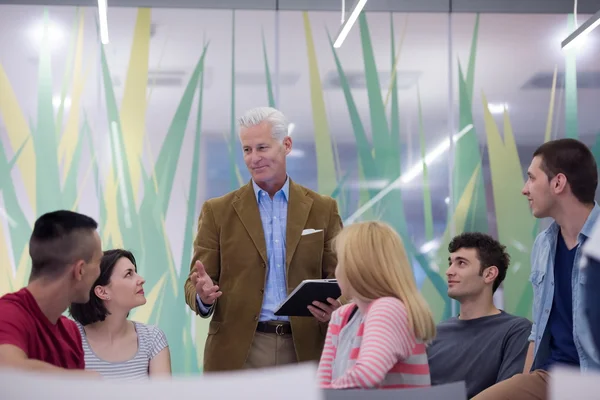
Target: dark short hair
(95, 310)
(573, 159)
(489, 252)
(60, 238)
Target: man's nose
(254, 157)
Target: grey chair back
(449, 391)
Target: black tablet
(296, 304)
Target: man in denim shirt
(561, 184)
(591, 269)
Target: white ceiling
(440, 6)
(511, 49)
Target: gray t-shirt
(151, 341)
(481, 351)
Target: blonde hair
(372, 258)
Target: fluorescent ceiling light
(369, 184)
(56, 100)
(103, 20)
(497, 108)
(581, 32)
(345, 29)
(430, 246)
(409, 175)
(54, 34)
(433, 155)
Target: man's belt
(278, 327)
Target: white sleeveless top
(151, 341)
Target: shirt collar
(587, 228)
(285, 189)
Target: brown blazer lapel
(246, 207)
(299, 206)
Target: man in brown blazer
(253, 247)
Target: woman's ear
(101, 293)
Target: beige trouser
(531, 386)
(271, 350)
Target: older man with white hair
(253, 247)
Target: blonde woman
(378, 340)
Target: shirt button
(255, 318)
(547, 311)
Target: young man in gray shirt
(483, 345)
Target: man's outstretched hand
(206, 289)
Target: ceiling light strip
(581, 32)
(103, 20)
(408, 176)
(345, 29)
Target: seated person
(65, 252)
(115, 347)
(378, 340)
(483, 345)
(591, 269)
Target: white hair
(274, 117)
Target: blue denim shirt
(542, 280)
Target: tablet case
(296, 304)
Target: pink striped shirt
(376, 350)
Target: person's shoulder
(544, 236)
(227, 198)
(449, 323)
(150, 331)
(221, 205)
(515, 321)
(18, 297)
(13, 305)
(72, 327)
(387, 305)
(340, 312)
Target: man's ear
(287, 144)
(559, 183)
(78, 270)
(490, 274)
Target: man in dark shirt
(483, 345)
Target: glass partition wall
(424, 120)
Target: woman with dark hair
(114, 346)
